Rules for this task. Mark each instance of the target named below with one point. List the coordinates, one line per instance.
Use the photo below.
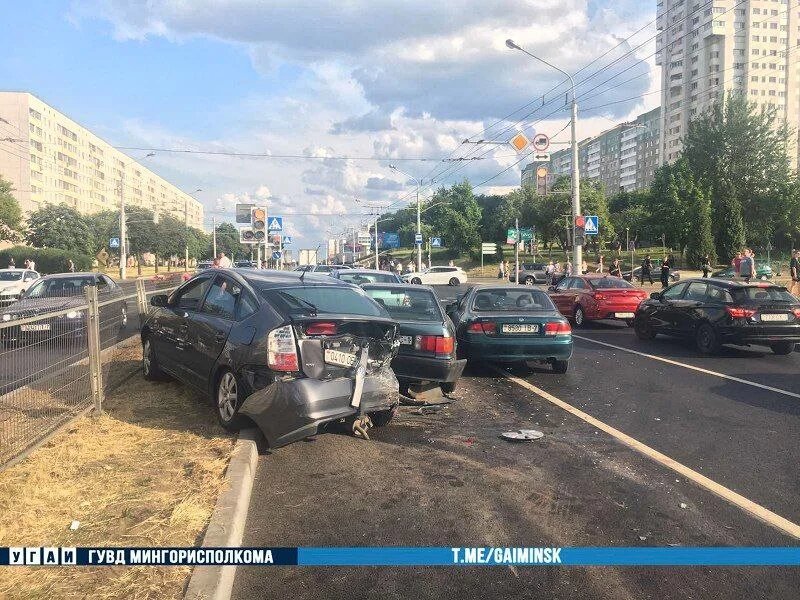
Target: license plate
(521, 328)
(406, 340)
(624, 315)
(37, 327)
(339, 358)
(779, 317)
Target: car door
(577, 289)
(172, 324)
(664, 318)
(688, 308)
(558, 295)
(209, 328)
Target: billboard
(389, 239)
(243, 213)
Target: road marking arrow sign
(541, 157)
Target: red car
(592, 297)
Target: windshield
(763, 294)
(509, 300)
(407, 305)
(361, 278)
(610, 283)
(325, 299)
(58, 287)
(10, 275)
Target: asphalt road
(446, 479)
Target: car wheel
(416, 281)
(454, 281)
(150, 369)
(227, 400)
(529, 281)
(643, 329)
(629, 322)
(579, 317)
(448, 387)
(783, 348)
(381, 418)
(706, 339)
(560, 366)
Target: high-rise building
(50, 159)
(707, 49)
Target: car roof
(729, 283)
(270, 278)
(368, 272)
(397, 286)
(72, 275)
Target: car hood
(29, 307)
(10, 286)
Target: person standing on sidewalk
(794, 272)
(736, 263)
(614, 270)
(647, 270)
(706, 266)
(501, 274)
(665, 267)
(600, 266)
(747, 266)
(568, 269)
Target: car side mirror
(159, 300)
(655, 296)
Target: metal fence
(57, 353)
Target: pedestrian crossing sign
(591, 225)
(275, 224)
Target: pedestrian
(647, 270)
(747, 266)
(508, 270)
(451, 264)
(600, 266)
(398, 267)
(11, 263)
(794, 271)
(584, 268)
(70, 266)
(614, 270)
(706, 266)
(215, 263)
(736, 263)
(30, 264)
(666, 265)
(410, 267)
(501, 274)
(548, 271)
(568, 269)
(224, 261)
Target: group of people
(744, 264)
(28, 264)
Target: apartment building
(50, 159)
(624, 157)
(707, 49)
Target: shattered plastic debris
(74, 525)
(684, 505)
(522, 435)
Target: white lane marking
(692, 367)
(727, 494)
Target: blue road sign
(275, 224)
(389, 239)
(591, 227)
(417, 238)
(276, 255)
(287, 239)
(436, 242)
(113, 243)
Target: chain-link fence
(62, 349)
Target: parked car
(203, 265)
(245, 264)
(321, 268)
(362, 276)
(592, 297)
(437, 276)
(529, 273)
(636, 274)
(427, 351)
(13, 282)
(64, 295)
(714, 311)
(763, 272)
(290, 354)
(511, 324)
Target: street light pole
(577, 250)
(123, 226)
(419, 216)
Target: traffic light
(247, 236)
(580, 231)
(259, 223)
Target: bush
(48, 260)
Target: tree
(142, 233)
(228, 241)
(59, 226)
(729, 235)
(700, 241)
(170, 239)
(10, 213)
(458, 217)
(669, 204)
(103, 226)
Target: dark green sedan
(509, 324)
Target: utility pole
(419, 216)
(123, 229)
(376, 239)
(214, 235)
(516, 251)
(186, 233)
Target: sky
(377, 81)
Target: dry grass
(146, 473)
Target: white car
(13, 282)
(437, 276)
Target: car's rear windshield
(10, 275)
(359, 278)
(763, 294)
(59, 286)
(609, 283)
(510, 300)
(407, 305)
(325, 299)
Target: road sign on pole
(436, 242)
(541, 142)
(276, 255)
(287, 239)
(591, 225)
(520, 142)
(541, 157)
(418, 239)
(243, 213)
(275, 224)
(113, 242)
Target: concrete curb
(227, 522)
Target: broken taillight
(738, 312)
(321, 328)
(485, 327)
(281, 349)
(557, 328)
(435, 344)
(796, 312)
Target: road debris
(522, 435)
(74, 525)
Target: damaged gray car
(288, 351)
